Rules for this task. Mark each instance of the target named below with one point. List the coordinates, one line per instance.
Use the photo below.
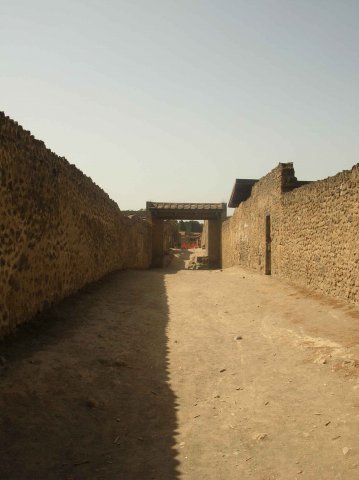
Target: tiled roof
(187, 211)
(241, 191)
(185, 206)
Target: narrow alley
(182, 374)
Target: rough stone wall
(58, 230)
(243, 235)
(204, 237)
(171, 236)
(320, 235)
(314, 231)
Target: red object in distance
(189, 245)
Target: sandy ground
(178, 374)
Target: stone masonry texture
(58, 230)
(314, 231)
(171, 236)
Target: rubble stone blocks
(314, 231)
(58, 230)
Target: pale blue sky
(172, 100)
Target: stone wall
(243, 235)
(320, 235)
(58, 229)
(171, 235)
(314, 231)
(204, 237)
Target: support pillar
(157, 242)
(214, 243)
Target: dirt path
(191, 375)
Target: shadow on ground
(84, 389)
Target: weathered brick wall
(314, 231)
(58, 229)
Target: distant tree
(196, 227)
(191, 226)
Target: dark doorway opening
(268, 264)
